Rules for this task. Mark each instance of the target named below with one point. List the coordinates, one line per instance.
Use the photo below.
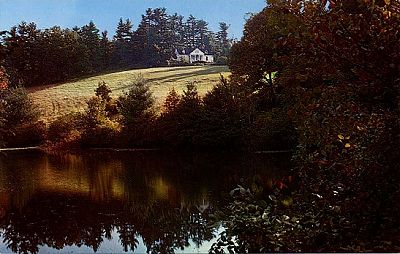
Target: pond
(106, 201)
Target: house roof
(188, 50)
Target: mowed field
(56, 100)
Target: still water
(120, 202)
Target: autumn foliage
(3, 79)
(337, 80)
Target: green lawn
(56, 100)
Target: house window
(206, 58)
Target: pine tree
(23, 59)
(190, 35)
(90, 37)
(201, 34)
(124, 31)
(177, 28)
(224, 42)
(105, 50)
(156, 37)
(171, 102)
(123, 39)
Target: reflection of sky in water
(204, 248)
(107, 246)
(114, 246)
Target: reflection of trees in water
(16, 178)
(52, 220)
(81, 200)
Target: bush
(28, 134)
(65, 127)
(103, 92)
(220, 120)
(103, 134)
(3, 78)
(166, 122)
(222, 60)
(17, 107)
(273, 130)
(98, 129)
(19, 117)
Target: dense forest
(46, 56)
(320, 78)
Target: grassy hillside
(57, 100)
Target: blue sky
(106, 13)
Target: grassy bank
(56, 100)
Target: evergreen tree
(201, 34)
(156, 36)
(90, 37)
(177, 28)
(191, 30)
(105, 51)
(123, 53)
(171, 102)
(224, 42)
(23, 60)
(137, 105)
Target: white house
(193, 56)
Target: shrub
(93, 128)
(103, 92)
(95, 112)
(272, 130)
(103, 134)
(19, 118)
(27, 134)
(65, 127)
(98, 129)
(222, 60)
(3, 78)
(17, 107)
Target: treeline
(36, 57)
(225, 118)
(187, 121)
